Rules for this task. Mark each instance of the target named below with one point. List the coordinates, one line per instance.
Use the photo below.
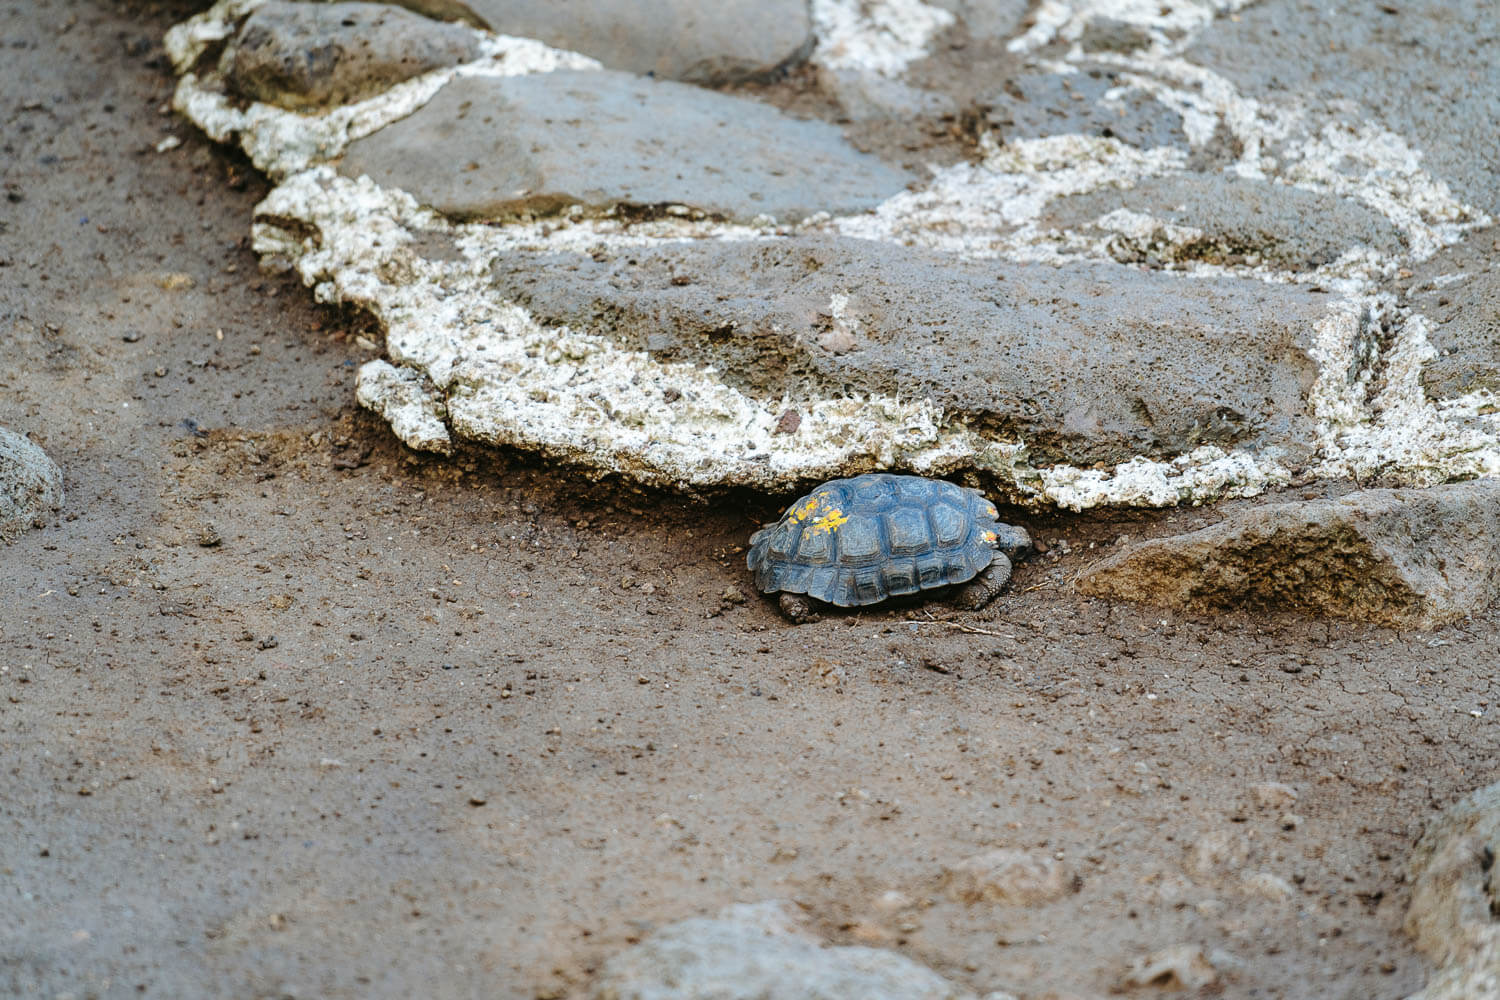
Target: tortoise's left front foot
(982, 589)
(797, 608)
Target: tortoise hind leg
(982, 589)
(797, 608)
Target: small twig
(960, 626)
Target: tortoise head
(1014, 541)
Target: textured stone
(1466, 319)
(494, 148)
(1426, 71)
(1454, 915)
(757, 952)
(1031, 105)
(1006, 876)
(1404, 558)
(30, 485)
(1183, 966)
(1241, 221)
(303, 55)
(987, 19)
(1084, 365)
(687, 40)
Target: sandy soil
(288, 711)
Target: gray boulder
(757, 952)
(1454, 915)
(30, 485)
(1399, 557)
(1085, 364)
(310, 55)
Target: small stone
(1267, 886)
(131, 336)
(1183, 966)
(1273, 794)
(732, 595)
(30, 485)
(788, 422)
(174, 281)
(1290, 821)
(478, 799)
(1006, 876)
(1217, 853)
(893, 901)
(208, 536)
(864, 932)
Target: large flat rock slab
(1459, 291)
(1031, 105)
(1233, 221)
(1424, 70)
(307, 55)
(1083, 364)
(497, 148)
(1403, 558)
(708, 43)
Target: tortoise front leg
(982, 589)
(797, 608)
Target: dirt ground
(287, 711)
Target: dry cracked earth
(289, 710)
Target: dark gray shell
(858, 541)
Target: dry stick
(960, 626)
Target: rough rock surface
(1240, 220)
(688, 40)
(987, 19)
(1182, 966)
(306, 55)
(495, 148)
(757, 952)
(1466, 316)
(1404, 558)
(1454, 914)
(1081, 363)
(30, 484)
(1041, 104)
(1427, 71)
(1005, 875)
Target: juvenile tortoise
(859, 541)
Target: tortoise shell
(858, 541)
